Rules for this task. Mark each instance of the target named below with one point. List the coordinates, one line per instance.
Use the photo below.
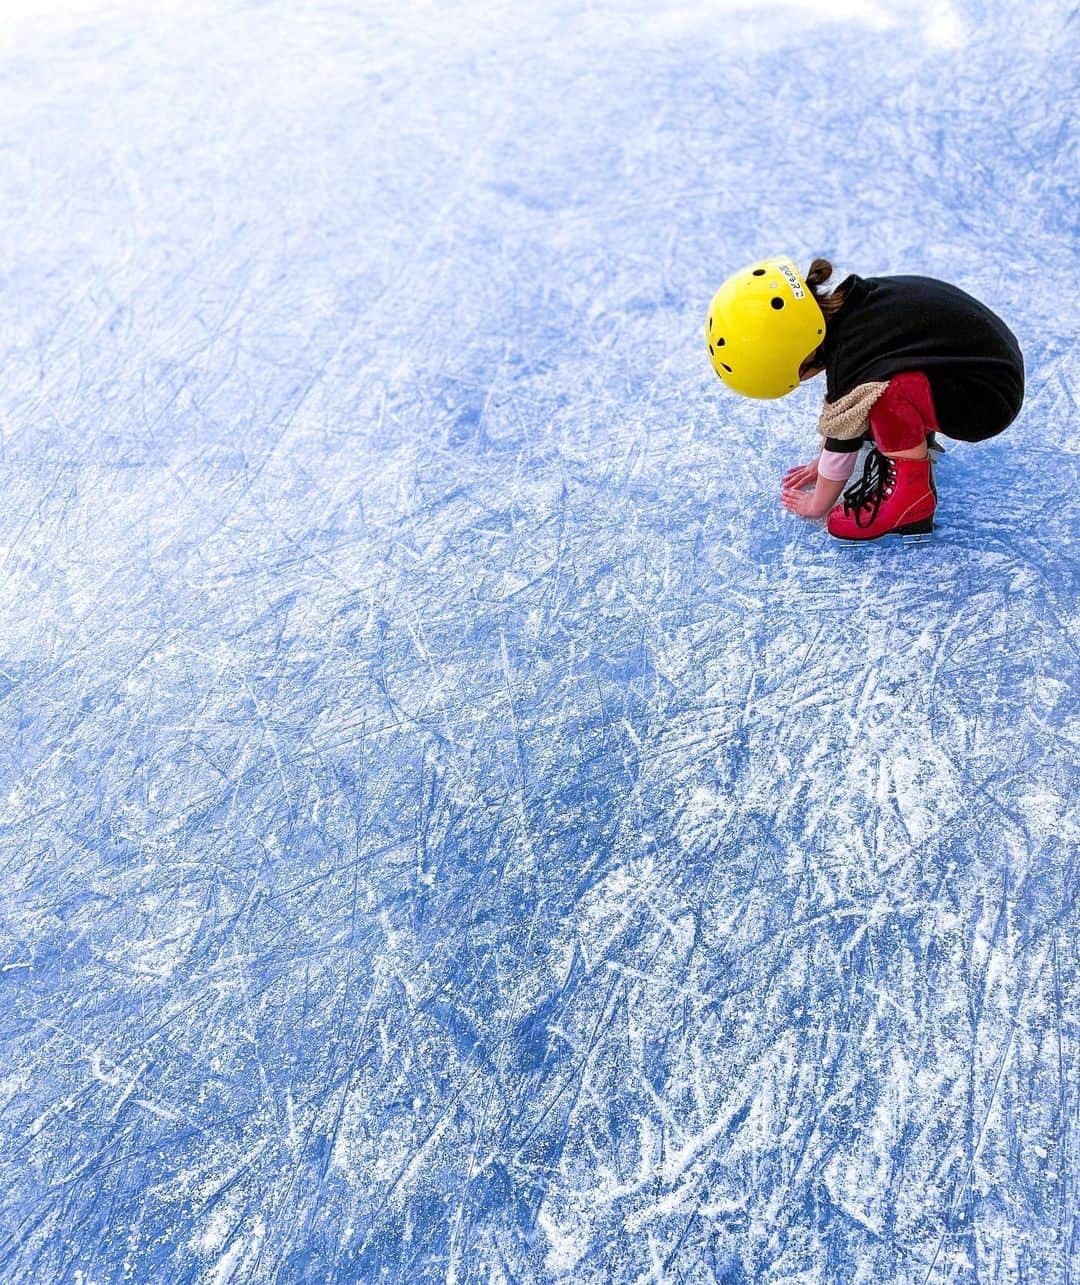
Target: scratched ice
(454, 826)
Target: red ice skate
(893, 496)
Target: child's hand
(800, 475)
(808, 504)
(805, 504)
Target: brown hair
(830, 302)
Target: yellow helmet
(763, 323)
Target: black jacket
(889, 325)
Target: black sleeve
(844, 445)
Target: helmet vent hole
(727, 367)
(759, 272)
(777, 303)
(710, 327)
(710, 350)
(719, 343)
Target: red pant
(904, 413)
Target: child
(903, 358)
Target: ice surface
(454, 825)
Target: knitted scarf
(849, 416)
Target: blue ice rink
(454, 825)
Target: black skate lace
(870, 489)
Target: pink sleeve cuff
(837, 466)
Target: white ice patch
(941, 26)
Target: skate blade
(905, 538)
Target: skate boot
(892, 497)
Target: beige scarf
(850, 416)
